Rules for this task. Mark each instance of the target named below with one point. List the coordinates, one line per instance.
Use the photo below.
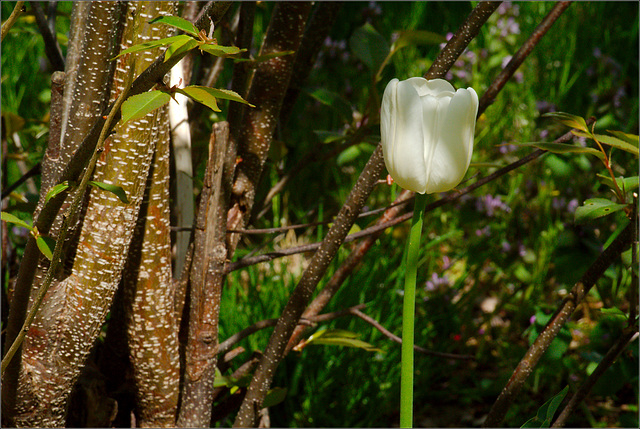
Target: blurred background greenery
(495, 264)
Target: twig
(17, 11)
(381, 226)
(398, 340)
(239, 336)
(521, 55)
(33, 171)
(51, 47)
(538, 348)
(461, 39)
(302, 293)
(629, 334)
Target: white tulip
(427, 130)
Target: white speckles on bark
(75, 308)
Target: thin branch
(17, 11)
(461, 39)
(33, 171)
(629, 334)
(227, 344)
(247, 416)
(538, 348)
(51, 47)
(519, 57)
(398, 340)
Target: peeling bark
(207, 276)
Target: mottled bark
(75, 307)
(267, 90)
(152, 328)
(92, 44)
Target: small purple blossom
(435, 282)
(522, 251)
(446, 263)
(572, 205)
(484, 232)
(489, 204)
(532, 319)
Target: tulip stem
(408, 313)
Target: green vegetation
(494, 264)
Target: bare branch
(395, 338)
(17, 11)
(629, 334)
(537, 349)
(51, 47)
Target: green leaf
(138, 106)
(208, 96)
(340, 337)
(626, 184)
(329, 136)
(118, 191)
(177, 22)
(8, 217)
(220, 51)
(55, 190)
(274, 397)
(596, 207)
(333, 100)
(180, 46)
(43, 245)
(569, 120)
(617, 143)
(632, 139)
(369, 46)
(152, 44)
(614, 312)
(417, 37)
(564, 148)
(546, 411)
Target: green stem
(408, 313)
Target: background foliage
(495, 264)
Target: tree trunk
(76, 305)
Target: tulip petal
(408, 149)
(387, 121)
(455, 144)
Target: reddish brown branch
(398, 340)
(521, 55)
